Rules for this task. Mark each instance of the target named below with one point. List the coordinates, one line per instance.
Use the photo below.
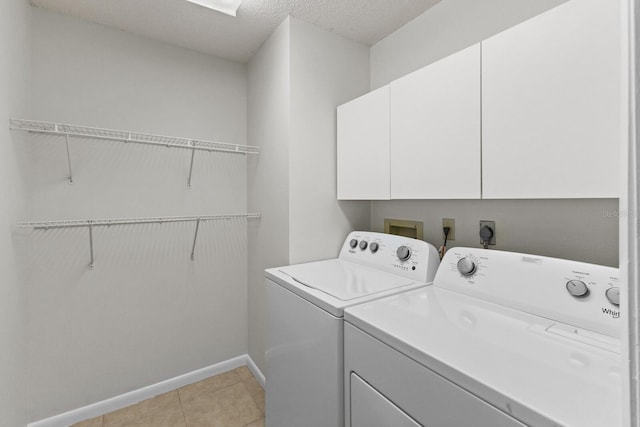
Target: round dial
(353, 243)
(363, 245)
(613, 295)
(577, 288)
(466, 266)
(373, 247)
(403, 253)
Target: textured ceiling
(237, 38)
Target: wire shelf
(92, 223)
(127, 136)
(68, 131)
(74, 223)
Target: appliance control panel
(576, 293)
(402, 256)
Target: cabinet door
(551, 105)
(363, 147)
(435, 130)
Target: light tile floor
(231, 399)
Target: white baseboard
(118, 402)
(255, 371)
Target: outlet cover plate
(492, 225)
(451, 223)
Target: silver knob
(353, 243)
(363, 244)
(577, 288)
(403, 253)
(373, 247)
(466, 266)
(613, 295)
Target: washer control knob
(353, 243)
(577, 288)
(373, 247)
(466, 266)
(403, 253)
(613, 295)
(363, 245)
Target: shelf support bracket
(193, 154)
(69, 159)
(91, 244)
(195, 238)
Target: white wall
(326, 70)
(146, 312)
(14, 95)
(585, 230)
(447, 27)
(296, 80)
(268, 183)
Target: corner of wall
(327, 70)
(268, 175)
(15, 67)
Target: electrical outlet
(451, 223)
(492, 226)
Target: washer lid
(342, 279)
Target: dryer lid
(342, 279)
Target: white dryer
(500, 339)
(305, 305)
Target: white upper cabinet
(363, 147)
(435, 130)
(552, 104)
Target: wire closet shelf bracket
(75, 131)
(92, 223)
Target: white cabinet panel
(363, 147)
(551, 105)
(435, 130)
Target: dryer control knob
(373, 247)
(577, 288)
(403, 253)
(353, 243)
(613, 295)
(363, 244)
(467, 266)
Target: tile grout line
(184, 417)
(254, 399)
(255, 403)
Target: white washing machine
(500, 340)
(305, 304)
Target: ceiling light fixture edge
(228, 7)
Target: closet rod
(77, 131)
